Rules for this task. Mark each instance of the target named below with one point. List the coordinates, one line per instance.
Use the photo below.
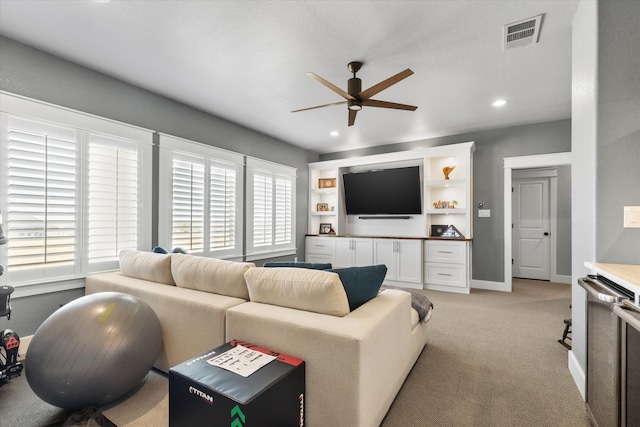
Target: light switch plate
(632, 217)
(484, 213)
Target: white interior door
(531, 225)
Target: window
(203, 209)
(76, 189)
(270, 208)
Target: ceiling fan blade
(385, 104)
(366, 94)
(352, 117)
(331, 86)
(320, 106)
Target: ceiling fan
(356, 98)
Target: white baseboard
(578, 374)
(490, 286)
(556, 278)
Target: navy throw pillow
(297, 264)
(160, 250)
(361, 283)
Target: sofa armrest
(355, 364)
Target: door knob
(546, 233)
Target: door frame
(522, 162)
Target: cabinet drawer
(445, 274)
(319, 258)
(320, 245)
(441, 251)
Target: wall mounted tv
(383, 192)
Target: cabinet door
(362, 252)
(343, 252)
(409, 260)
(383, 253)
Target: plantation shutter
(262, 209)
(283, 210)
(113, 187)
(200, 198)
(73, 190)
(222, 208)
(41, 198)
(271, 202)
(188, 205)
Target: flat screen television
(383, 192)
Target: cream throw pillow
(300, 288)
(210, 275)
(146, 266)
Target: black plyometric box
(201, 394)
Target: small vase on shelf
(447, 170)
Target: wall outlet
(632, 217)
(484, 213)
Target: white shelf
(456, 211)
(323, 213)
(446, 183)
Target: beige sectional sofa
(356, 361)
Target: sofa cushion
(210, 275)
(298, 264)
(318, 291)
(361, 283)
(150, 266)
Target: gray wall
(605, 147)
(563, 217)
(492, 146)
(30, 72)
(618, 131)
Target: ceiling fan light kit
(356, 98)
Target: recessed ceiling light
(335, 133)
(499, 102)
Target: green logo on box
(237, 417)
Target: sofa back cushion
(361, 283)
(300, 288)
(210, 275)
(149, 266)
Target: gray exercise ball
(93, 350)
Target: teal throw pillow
(361, 283)
(297, 264)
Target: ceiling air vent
(521, 33)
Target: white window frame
(85, 125)
(172, 147)
(276, 172)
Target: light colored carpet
(492, 359)
(146, 406)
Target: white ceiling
(246, 60)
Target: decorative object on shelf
(452, 233)
(322, 207)
(325, 228)
(326, 183)
(453, 204)
(444, 205)
(447, 170)
(437, 230)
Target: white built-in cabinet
(403, 258)
(414, 256)
(353, 252)
(447, 265)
